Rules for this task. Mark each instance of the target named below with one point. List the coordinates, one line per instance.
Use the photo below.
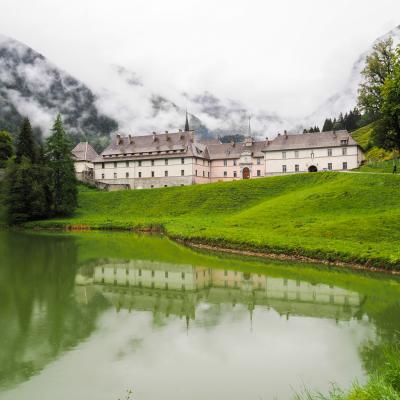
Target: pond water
(92, 315)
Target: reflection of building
(177, 289)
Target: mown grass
(332, 216)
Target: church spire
(187, 128)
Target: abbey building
(181, 159)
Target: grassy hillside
(351, 217)
(373, 154)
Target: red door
(246, 173)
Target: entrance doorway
(246, 173)
(312, 168)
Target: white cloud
(279, 56)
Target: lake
(92, 315)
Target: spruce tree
(328, 125)
(6, 148)
(64, 184)
(26, 145)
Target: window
(127, 164)
(152, 163)
(152, 274)
(344, 151)
(140, 272)
(139, 174)
(343, 141)
(165, 173)
(166, 161)
(195, 172)
(235, 174)
(102, 176)
(345, 165)
(127, 175)
(182, 172)
(283, 168)
(152, 174)
(329, 152)
(208, 174)
(258, 161)
(312, 154)
(225, 173)
(283, 154)
(204, 174)
(182, 161)
(140, 163)
(183, 275)
(102, 165)
(330, 166)
(296, 168)
(115, 175)
(234, 163)
(258, 172)
(225, 163)
(115, 164)
(166, 274)
(296, 154)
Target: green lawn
(334, 216)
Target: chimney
(285, 134)
(119, 139)
(154, 137)
(180, 130)
(233, 143)
(131, 141)
(334, 133)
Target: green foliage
(232, 138)
(26, 146)
(379, 65)
(27, 196)
(350, 217)
(383, 385)
(6, 148)
(58, 154)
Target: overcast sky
(280, 55)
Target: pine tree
(305, 131)
(26, 146)
(328, 125)
(311, 130)
(64, 187)
(25, 192)
(6, 148)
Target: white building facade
(179, 159)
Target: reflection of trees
(38, 313)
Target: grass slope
(378, 159)
(334, 216)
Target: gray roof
(151, 145)
(83, 151)
(234, 150)
(310, 140)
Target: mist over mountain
(32, 86)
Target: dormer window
(343, 141)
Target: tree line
(378, 98)
(40, 177)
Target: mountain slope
(32, 86)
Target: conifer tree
(6, 148)
(64, 186)
(328, 125)
(26, 146)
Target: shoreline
(204, 245)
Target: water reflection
(142, 312)
(173, 289)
